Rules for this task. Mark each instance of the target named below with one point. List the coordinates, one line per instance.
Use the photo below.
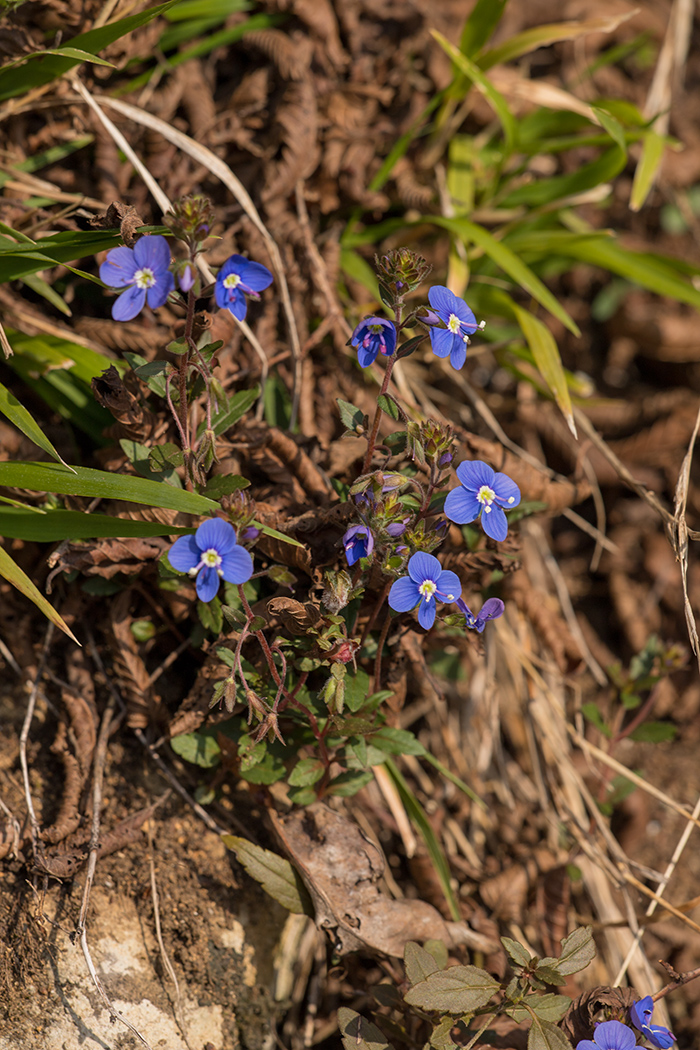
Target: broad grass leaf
(542, 36)
(83, 481)
(475, 76)
(483, 19)
(358, 1033)
(19, 579)
(560, 187)
(24, 421)
(645, 172)
(419, 963)
(457, 990)
(276, 875)
(52, 525)
(548, 360)
(17, 260)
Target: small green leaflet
(274, 873)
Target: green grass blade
(483, 19)
(53, 525)
(19, 579)
(44, 289)
(417, 814)
(543, 36)
(24, 421)
(547, 191)
(17, 260)
(509, 262)
(645, 172)
(83, 481)
(548, 360)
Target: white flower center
(232, 281)
(454, 323)
(427, 589)
(144, 278)
(486, 496)
(211, 559)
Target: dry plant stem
(683, 978)
(380, 648)
(378, 415)
(114, 1014)
(97, 781)
(374, 614)
(24, 736)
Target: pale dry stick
(26, 183)
(676, 912)
(398, 811)
(599, 504)
(670, 65)
(489, 418)
(114, 1014)
(97, 782)
(5, 343)
(16, 830)
(535, 529)
(24, 736)
(651, 908)
(165, 205)
(177, 1005)
(680, 539)
(10, 658)
(222, 171)
(105, 14)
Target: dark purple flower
(358, 542)
(372, 336)
(143, 271)
(211, 555)
(490, 610)
(610, 1035)
(640, 1015)
(237, 278)
(451, 341)
(426, 583)
(483, 493)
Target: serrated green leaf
(345, 785)
(11, 571)
(543, 1035)
(24, 421)
(223, 485)
(83, 481)
(396, 741)
(650, 732)
(352, 417)
(645, 172)
(276, 875)
(201, 749)
(356, 690)
(358, 1033)
(418, 962)
(306, 772)
(389, 406)
(577, 951)
(548, 1007)
(237, 407)
(457, 990)
(515, 950)
(548, 361)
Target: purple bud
(430, 317)
(250, 533)
(445, 459)
(397, 528)
(185, 278)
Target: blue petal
(353, 552)
(217, 534)
(239, 306)
(504, 489)
(459, 354)
(442, 300)
(159, 292)
(491, 609)
(119, 268)
(184, 554)
(237, 565)
(659, 1036)
(130, 303)
(208, 581)
(466, 316)
(423, 567)
(587, 1044)
(153, 252)
(256, 276)
(475, 473)
(232, 265)
(461, 506)
(613, 1035)
(494, 522)
(641, 1011)
(404, 595)
(442, 341)
(426, 614)
(448, 582)
(365, 357)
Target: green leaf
(389, 406)
(41, 70)
(359, 1034)
(577, 951)
(11, 571)
(356, 690)
(418, 962)
(24, 421)
(613, 126)
(352, 417)
(18, 260)
(201, 749)
(544, 1035)
(548, 1007)
(237, 407)
(548, 360)
(396, 741)
(476, 76)
(276, 875)
(345, 785)
(654, 732)
(559, 187)
(645, 172)
(544, 35)
(83, 481)
(355, 267)
(510, 263)
(275, 534)
(223, 485)
(52, 525)
(307, 771)
(457, 990)
(483, 19)
(519, 955)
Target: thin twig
(24, 736)
(97, 781)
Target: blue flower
(373, 335)
(211, 555)
(426, 580)
(143, 271)
(482, 490)
(640, 1015)
(358, 542)
(490, 610)
(610, 1035)
(452, 341)
(237, 278)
